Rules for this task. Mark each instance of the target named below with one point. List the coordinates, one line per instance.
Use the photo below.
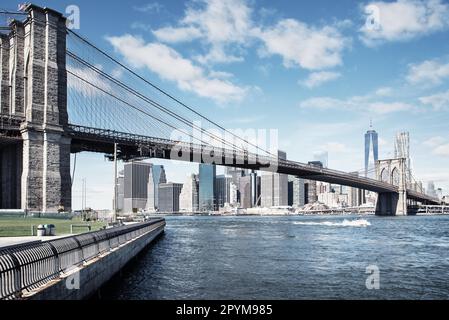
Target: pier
(74, 267)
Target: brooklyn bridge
(61, 94)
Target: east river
(305, 257)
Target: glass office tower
(207, 179)
(371, 151)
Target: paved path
(10, 241)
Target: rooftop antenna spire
(371, 123)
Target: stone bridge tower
(34, 86)
(392, 171)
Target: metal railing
(26, 267)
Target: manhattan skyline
(347, 75)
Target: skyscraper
(236, 174)
(156, 177)
(169, 197)
(431, 189)
(296, 197)
(233, 194)
(207, 176)
(255, 189)
(311, 186)
(245, 192)
(355, 198)
(223, 190)
(371, 149)
(136, 176)
(402, 150)
(274, 187)
(188, 200)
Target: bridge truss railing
(221, 152)
(26, 267)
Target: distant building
(311, 187)
(296, 196)
(120, 191)
(236, 174)
(233, 191)
(136, 186)
(169, 197)
(274, 187)
(440, 193)
(156, 177)
(431, 189)
(223, 190)
(322, 157)
(207, 177)
(355, 198)
(246, 192)
(188, 200)
(255, 189)
(371, 150)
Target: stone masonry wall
(4, 74)
(46, 180)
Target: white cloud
(220, 24)
(356, 103)
(335, 147)
(79, 77)
(403, 20)
(141, 26)
(439, 145)
(316, 79)
(226, 29)
(149, 7)
(389, 107)
(442, 150)
(173, 35)
(439, 101)
(434, 141)
(168, 64)
(301, 45)
(384, 92)
(428, 72)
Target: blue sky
(314, 70)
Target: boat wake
(361, 223)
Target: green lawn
(19, 227)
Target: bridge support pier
(391, 204)
(10, 172)
(46, 181)
(392, 171)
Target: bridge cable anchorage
(166, 93)
(148, 100)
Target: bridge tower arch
(37, 77)
(392, 171)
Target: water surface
(316, 257)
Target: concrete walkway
(10, 241)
